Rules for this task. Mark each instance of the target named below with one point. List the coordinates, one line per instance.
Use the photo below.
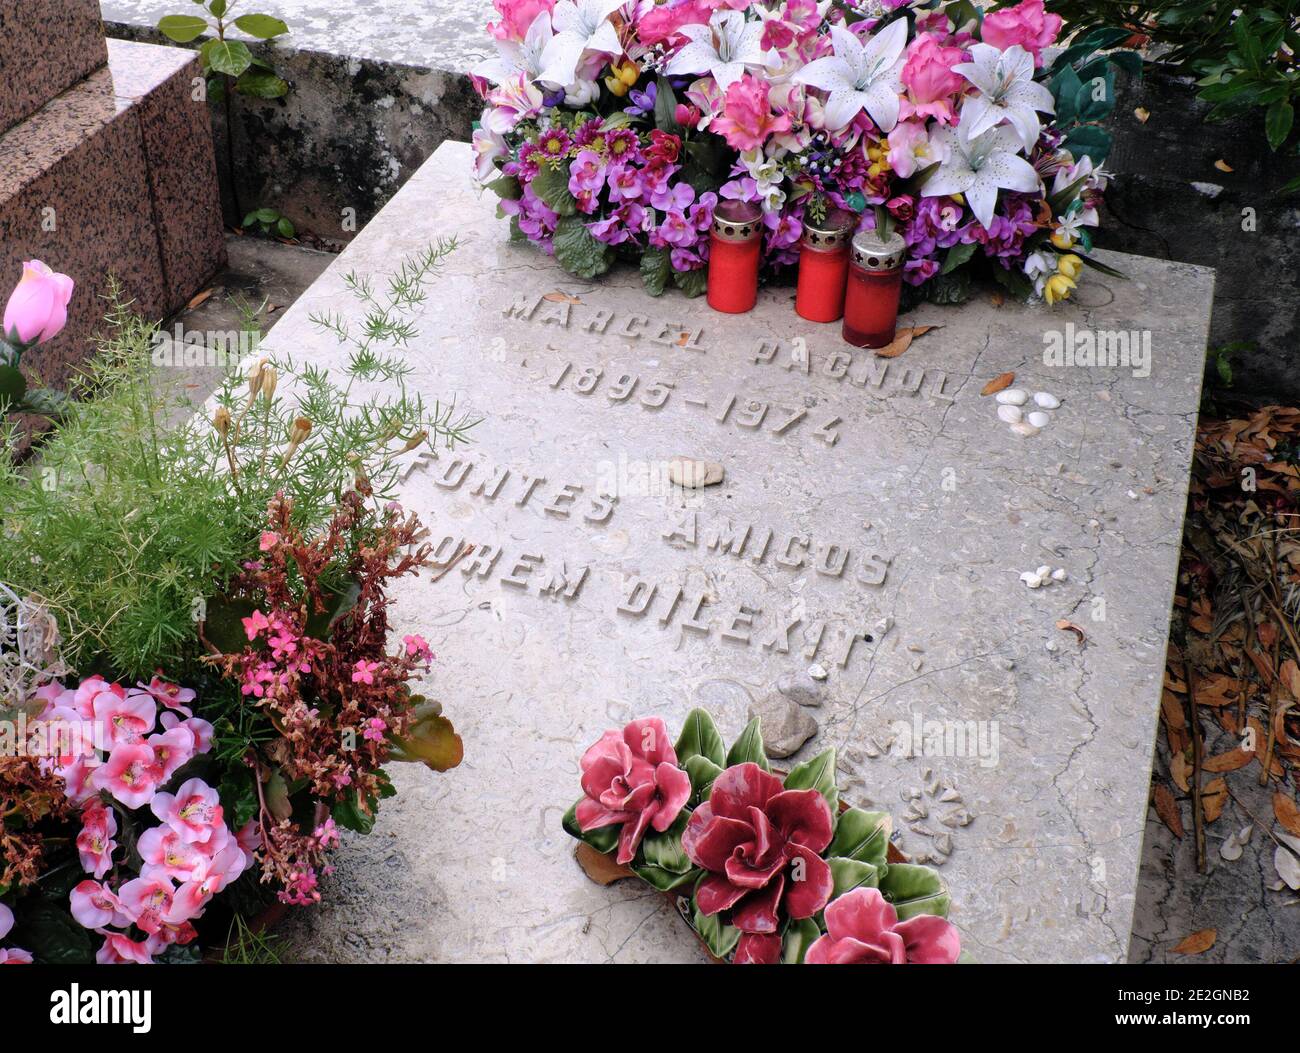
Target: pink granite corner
(46, 46)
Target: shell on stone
(1009, 414)
(1024, 429)
(1013, 397)
(1039, 419)
(1046, 399)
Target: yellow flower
(1061, 239)
(616, 86)
(1069, 265)
(628, 73)
(1058, 288)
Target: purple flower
(643, 102)
(675, 198)
(745, 189)
(625, 183)
(678, 231)
(784, 230)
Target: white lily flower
(580, 26)
(514, 57)
(979, 168)
(1038, 268)
(861, 76)
(724, 49)
(1008, 92)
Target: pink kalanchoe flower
(862, 928)
(94, 906)
(364, 672)
(631, 778)
(194, 811)
(747, 120)
(416, 647)
(762, 845)
(255, 624)
(1026, 24)
(131, 774)
(375, 728)
(122, 950)
(95, 844)
(268, 541)
(127, 719)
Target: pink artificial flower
(10, 955)
(761, 845)
(631, 778)
(249, 838)
(131, 775)
(268, 541)
(127, 718)
(687, 116)
(662, 22)
(84, 697)
(196, 726)
(77, 778)
(150, 902)
(122, 950)
(910, 148)
(513, 101)
(172, 750)
(1026, 24)
(862, 928)
(193, 811)
(516, 17)
(173, 696)
(327, 834)
(364, 671)
(375, 728)
(95, 844)
(747, 120)
(94, 906)
(930, 81)
(37, 309)
(164, 850)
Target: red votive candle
(735, 245)
(824, 267)
(875, 281)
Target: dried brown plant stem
(1198, 806)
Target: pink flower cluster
(10, 955)
(129, 755)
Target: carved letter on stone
(482, 561)
(738, 624)
(563, 497)
(453, 473)
(637, 600)
(831, 560)
(786, 557)
(779, 638)
(683, 532)
(518, 576)
(491, 486)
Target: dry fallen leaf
(1142, 114)
(598, 866)
(1180, 771)
(559, 297)
(1232, 847)
(1286, 861)
(1287, 812)
(1223, 165)
(1070, 627)
(1167, 809)
(903, 340)
(200, 298)
(1197, 942)
(1230, 761)
(1213, 797)
(997, 297)
(998, 383)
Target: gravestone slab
(874, 520)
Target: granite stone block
(45, 48)
(159, 82)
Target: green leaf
(552, 186)
(260, 84)
(1096, 98)
(347, 813)
(863, 836)
(817, 774)
(798, 938)
(264, 27)
(914, 890)
(951, 288)
(182, 28)
(46, 402)
(51, 934)
(656, 267)
(13, 386)
(661, 879)
(603, 839)
(223, 625)
(720, 938)
(1014, 281)
(507, 188)
(578, 252)
(230, 57)
(957, 255)
(749, 748)
(664, 850)
(849, 874)
(700, 738)
(1105, 268)
(1092, 141)
(1278, 120)
(692, 283)
(284, 227)
(238, 793)
(666, 107)
(702, 772)
(433, 742)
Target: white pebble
(1046, 400)
(817, 672)
(1059, 574)
(1013, 397)
(1009, 414)
(1024, 430)
(1039, 419)
(1044, 571)
(1031, 579)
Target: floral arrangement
(770, 868)
(161, 822)
(613, 129)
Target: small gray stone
(786, 726)
(802, 688)
(691, 473)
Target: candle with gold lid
(875, 283)
(824, 266)
(735, 248)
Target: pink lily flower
(127, 718)
(95, 907)
(131, 775)
(193, 811)
(122, 950)
(95, 844)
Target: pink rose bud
(38, 307)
